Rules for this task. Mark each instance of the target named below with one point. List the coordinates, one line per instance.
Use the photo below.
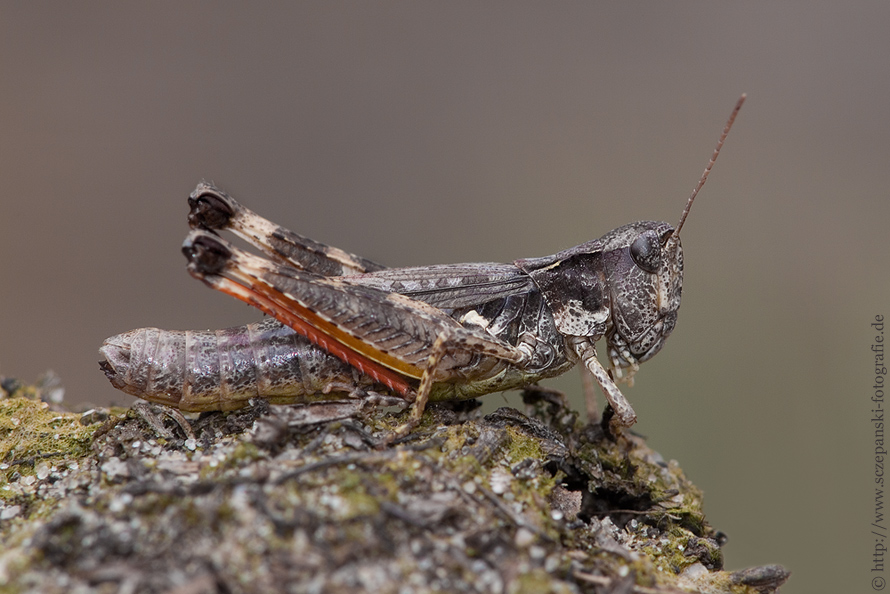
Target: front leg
(585, 350)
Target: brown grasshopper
(343, 324)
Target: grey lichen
(253, 502)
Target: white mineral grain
(43, 470)
(10, 512)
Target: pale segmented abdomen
(223, 369)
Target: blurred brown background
(417, 133)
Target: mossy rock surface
(254, 501)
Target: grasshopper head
(643, 269)
(625, 286)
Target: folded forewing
(450, 286)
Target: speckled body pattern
(444, 332)
(500, 326)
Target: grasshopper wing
(386, 335)
(451, 286)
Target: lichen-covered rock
(255, 501)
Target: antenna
(704, 176)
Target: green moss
(352, 498)
(523, 446)
(31, 432)
(539, 581)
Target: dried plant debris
(271, 498)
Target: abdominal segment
(223, 369)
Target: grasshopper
(343, 324)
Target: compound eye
(646, 251)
